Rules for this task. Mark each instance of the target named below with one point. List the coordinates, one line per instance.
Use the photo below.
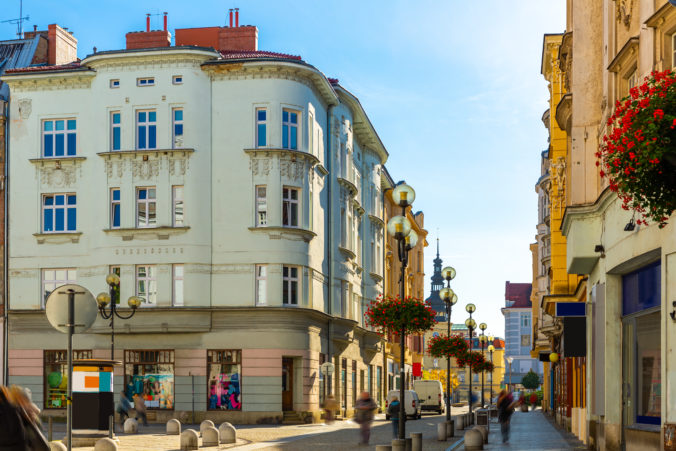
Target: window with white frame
(177, 79)
(55, 277)
(146, 129)
(525, 320)
(261, 206)
(115, 83)
(145, 81)
(343, 228)
(59, 213)
(290, 129)
(290, 285)
(290, 197)
(261, 284)
(146, 207)
(261, 127)
(178, 212)
(115, 130)
(146, 284)
(177, 118)
(59, 138)
(115, 208)
(310, 195)
(177, 295)
(311, 134)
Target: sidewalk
(532, 431)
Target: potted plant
(392, 314)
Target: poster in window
(157, 390)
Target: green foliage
(531, 381)
(393, 313)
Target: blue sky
(453, 88)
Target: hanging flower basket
(475, 360)
(443, 346)
(485, 366)
(389, 314)
(638, 153)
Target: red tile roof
(519, 293)
(256, 54)
(69, 66)
(333, 81)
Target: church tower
(437, 284)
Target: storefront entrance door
(287, 383)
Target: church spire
(437, 284)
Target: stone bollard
(441, 432)
(228, 433)
(460, 422)
(417, 441)
(130, 426)
(105, 444)
(473, 440)
(409, 444)
(189, 440)
(383, 447)
(450, 428)
(206, 424)
(484, 432)
(398, 444)
(173, 427)
(210, 436)
(57, 446)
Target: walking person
(123, 407)
(140, 407)
(393, 413)
(364, 416)
(505, 410)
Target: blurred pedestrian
(505, 410)
(393, 413)
(330, 407)
(364, 416)
(20, 421)
(140, 408)
(123, 407)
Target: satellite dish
(56, 308)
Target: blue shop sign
(641, 289)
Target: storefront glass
(56, 376)
(150, 374)
(224, 379)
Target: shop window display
(150, 374)
(56, 376)
(224, 379)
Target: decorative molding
(376, 277)
(319, 277)
(130, 62)
(57, 238)
(287, 233)
(349, 254)
(150, 233)
(58, 172)
(41, 81)
(146, 164)
(377, 221)
(623, 11)
(25, 108)
(148, 250)
(350, 187)
(145, 169)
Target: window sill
(376, 220)
(288, 233)
(348, 184)
(56, 162)
(347, 252)
(148, 233)
(376, 277)
(321, 169)
(57, 237)
(293, 154)
(145, 152)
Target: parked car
(412, 403)
(431, 394)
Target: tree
(531, 381)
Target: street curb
(456, 445)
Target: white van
(431, 394)
(412, 403)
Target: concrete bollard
(383, 447)
(189, 440)
(210, 436)
(173, 427)
(473, 440)
(441, 432)
(484, 432)
(409, 443)
(57, 446)
(105, 444)
(206, 424)
(450, 428)
(227, 433)
(417, 441)
(130, 426)
(460, 422)
(398, 444)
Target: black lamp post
(400, 228)
(491, 348)
(471, 326)
(103, 300)
(450, 298)
(482, 342)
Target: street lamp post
(450, 298)
(510, 360)
(482, 342)
(400, 228)
(491, 349)
(471, 325)
(103, 300)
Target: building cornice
(577, 212)
(627, 54)
(166, 56)
(47, 81)
(289, 233)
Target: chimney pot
(230, 17)
(94, 49)
(147, 22)
(35, 28)
(165, 21)
(236, 17)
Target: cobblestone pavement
(341, 435)
(532, 431)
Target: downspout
(329, 246)
(5, 256)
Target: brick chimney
(149, 39)
(221, 38)
(61, 46)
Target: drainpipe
(5, 256)
(329, 246)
